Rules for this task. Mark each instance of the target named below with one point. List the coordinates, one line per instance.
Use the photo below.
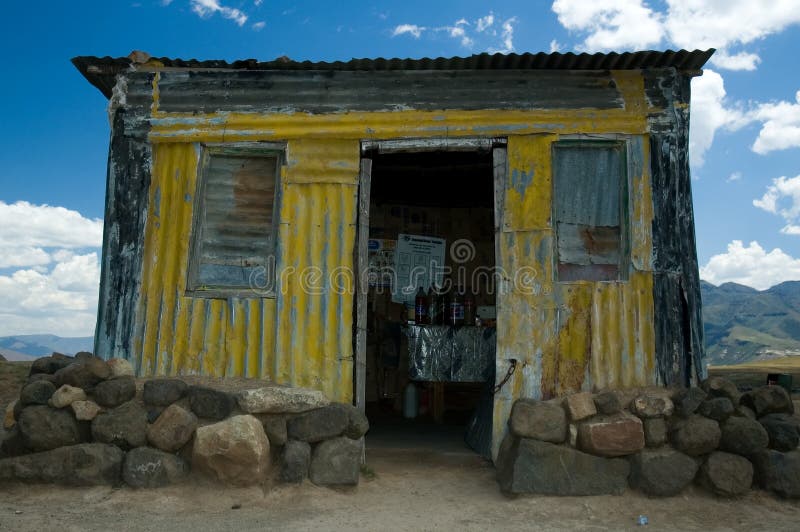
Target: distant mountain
(743, 324)
(37, 345)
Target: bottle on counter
(434, 312)
(457, 308)
(469, 308)
(421, 307)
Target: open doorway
(430, 341)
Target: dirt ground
(409, 491)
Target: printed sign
(419, 261)
(380, 258)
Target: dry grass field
(12, 376)
(754, 374)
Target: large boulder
(778, 472)
(37, 393)
(782, 430)
(295, 461)
(336, 462)
(617, 435)
(85, 410)
(663, 472)
(607, 403)
(525, 465)
(234, 451)
(655, 432)
(580, 406)
(173, 429)
(280, 400)
(114, 392)
(43, 428)
(66, 395)
(86, 373)
(11, 443)
(120, 367)
(50, 365)
(275, 427)
(743, 436)
(720, 387)
(718, 408)
(688, 400)
(540, 420)
(727, 475)
(145, 467)
(163, 392)
(209, 403)
(317, 425)
(86, 464)
(768, 400)
(357, 422)
(649, 406)
(695, 435)
(124, 426)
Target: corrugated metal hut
(234, 187)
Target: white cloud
(735, 176)
(555, 46)
(258, 26)
(783, 199)
(53, 285)
(721, 24)
(507, 37)
(483, 23)
(709, 113)
(780, 127)
(207, 8)
(752, 266)
(412, 29)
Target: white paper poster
(419, 261)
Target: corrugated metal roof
(101, 71)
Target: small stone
(662, 473)
(695, 435)
(120, 368)
(778, 472)
(87, 464)
(163, 392)
(173, 429)
(743, 436)
(280, 400)
(145, 467)
(235, 450)
(617, 435)
(357, 422)
(84, 374)
(209, 403)
(744, 411)
(607, 403)
(43, 428)
(649, 406)
(573, 435)
(114, 392)
(531, 466)
(124, 426)
(37, 393)
(719, 409)
(295, 461)
(275, 427)
(655, 432)
(768, 400)
(11, 443)
(782, 430)
(720, 387)
(10, 419)
(317, 425)
(66, 395)
(336, 462)
(538, 420)
(727, 475)
(579, 406)
(85, 410)
(688, 400)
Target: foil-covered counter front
(450, 354)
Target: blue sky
(54, 128)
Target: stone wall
(85, 421)
(657, 441)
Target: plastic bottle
(421, 307)
(434, 316)
(410, 401)
(457, 308)
(469, 308)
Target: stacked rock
(81, 420)
(659, 441)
